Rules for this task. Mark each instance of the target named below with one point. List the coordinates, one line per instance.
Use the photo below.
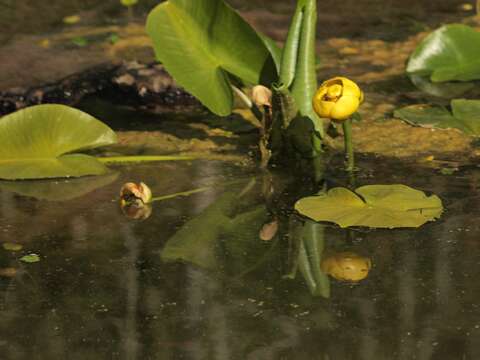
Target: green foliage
(201, 43)
(450, 53)
(128, 3)
(448, 90)
(30, 258)
(376, 206)
(40, 141)
(465, 116)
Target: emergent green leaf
(37, 142)
(465, 116)
(30, 258)
(376, 206)
(201, 42)
(451, 52)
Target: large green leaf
(465, 116)
(451, 52)
(376, 206)
(200, 42)
(37, 142)
(448, 90)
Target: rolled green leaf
(290, 51)
(305, 82)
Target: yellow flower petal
(323, 108)
(344, 107)
(350, 88)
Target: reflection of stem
(146, 158)
(349, 156)
(183, 193)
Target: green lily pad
(30, 258)
(39, 141)
(465, 116)
(450, 53)
(376, 206)
(201, 43)
(12, 246)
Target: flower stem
(349, 156)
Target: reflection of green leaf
(195, 242)
(37, 142)
(129, 2)
(451, 52)
(217, 237)
(380, 206)
(30, 258)
(465, 116)
(447, 90)
(201, 42)
(58, 190)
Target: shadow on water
(231, 273)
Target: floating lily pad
(376, 206)
(447, 90)
(450, 53)
(30, 258)
(39, 141)
(12, 246)
(465, 116)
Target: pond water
(109, 287)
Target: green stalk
(305, 82)
(347, 136)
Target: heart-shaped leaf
(201, 42)
(451, 52)
(448, 90)
(465, 116)
(37, 142)
(376, 206)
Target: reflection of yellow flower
(136, 210)
(131, 192)
(337, 98)
(346, 266)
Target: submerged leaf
(465, 116)
(201, 42)
(37, 142)
(12, 246)
(451, 52)
(376, 206)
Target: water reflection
(105, 290)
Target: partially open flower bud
(346, 266)
(262, 96)
(268, 230)
(337, 99)
(130, 192)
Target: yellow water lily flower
(337, 99)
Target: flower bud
(131, 192)
(346, 266)
(262, 96)
(337, 99)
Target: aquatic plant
(45, 141)
(338, 99)
(376, 206)
(213, 53)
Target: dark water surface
(104, 288)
